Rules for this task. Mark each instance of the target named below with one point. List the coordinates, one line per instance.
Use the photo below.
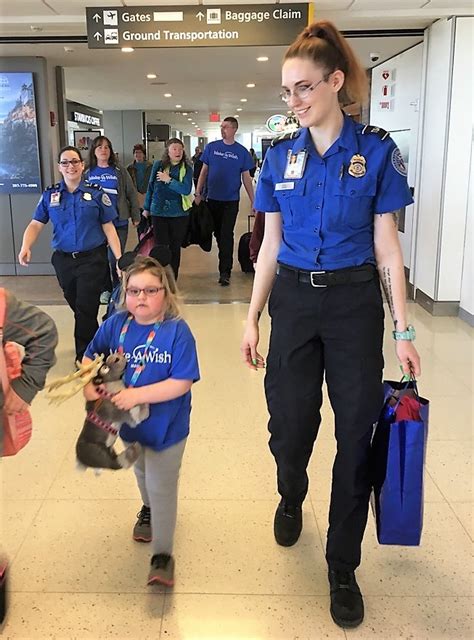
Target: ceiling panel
(76, 7)
(24, 8)
(363, 5)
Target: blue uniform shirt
(77, 218)
(328, 214)
(226, 164)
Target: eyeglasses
(301, 92)
(134, 292)
(74, 162)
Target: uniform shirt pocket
(292, 204)
(88, 212)
(352, 203)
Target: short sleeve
(393, 191)
(205, 155)
(41, 213)
(107, 210)
(184, 365)
(264, 198)
(102, 341)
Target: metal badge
(55, 198)
(357, 167)
(87, 196)
(295, 164)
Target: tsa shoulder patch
(397, 162)
(106, 200)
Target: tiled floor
(76, 572)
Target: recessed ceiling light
(250, 85)
(178, 106)
(236, 115)
(243, 99)
(185, 113)
(127, 49)
(262, 59)
(189, 119)
(168, 95)
(151, 76)
(193, 123)
(196, 127)
(239, 109)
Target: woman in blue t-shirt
(161, 368)
(104, 170)
(168, 201)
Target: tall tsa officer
(81, 215)
(329, 191)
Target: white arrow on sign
(98, 35)
(200, 16)
(96, 17)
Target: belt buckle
(313, 283)
(74, 254)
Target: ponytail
(324, 45)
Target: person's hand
(13, 403)
(135, 223)
(248, 348)
(146, 213)
(126, 399)
(197, 199)
(408, 357)
(162, 176)
(119, 272)
(24, 257)
(90, 392)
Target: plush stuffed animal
(94, 447)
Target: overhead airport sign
(195, 26)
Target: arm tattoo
(387, 287)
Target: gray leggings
(157, 476)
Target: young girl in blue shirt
(162, 366)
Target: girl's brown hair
(92, 157)
(324, 45)
(166, 277)
(165, 158)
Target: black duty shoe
(287, 524)
(224, 280)
(142, 528)
(347, 606)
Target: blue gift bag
(398, 461)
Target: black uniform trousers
(224, 215)
(81, 277)
(171, 232)
(337, 333)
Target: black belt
(80, 254)
(365, 273)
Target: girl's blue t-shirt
(172, 354)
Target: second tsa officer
(81, 215)
(329, 193)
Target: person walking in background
(82, 216)
(226, 164)
(197, 164)
(140, 171)
(161, 368)
(329, 192)
(167, 199)
(115, 180)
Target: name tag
(295, 164)
(284, 186)
(55, 199)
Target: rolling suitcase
(244, 250)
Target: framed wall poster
(83, 141)
(19, 151)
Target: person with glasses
(82, 217)
(226, 165)
(329, 192)
(162, 366)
